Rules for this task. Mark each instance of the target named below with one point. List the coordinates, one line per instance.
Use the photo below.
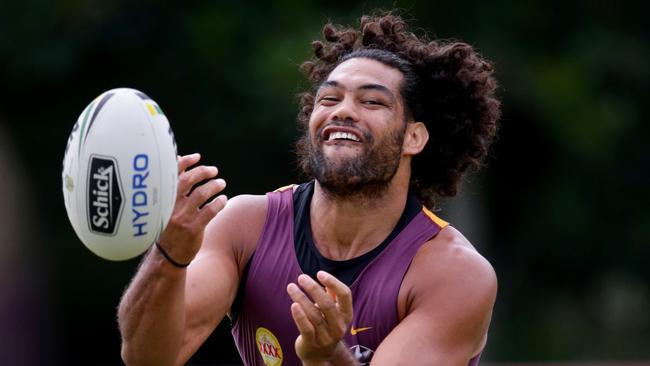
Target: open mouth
(338, 134)
(342, 136)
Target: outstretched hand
(183, 235)
(322, 315)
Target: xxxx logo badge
(269, 347)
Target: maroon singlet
(264, 331)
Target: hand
(322, 322)
(183, 235)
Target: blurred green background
(562, 210)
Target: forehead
(364, 71)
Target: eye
(328, 100)
(372, 102)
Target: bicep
(423, 340)
(213, 276)
(449, 318)
(211, 285)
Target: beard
(363, 177)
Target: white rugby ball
(120, 174)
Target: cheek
(381, 121)
(316, 120)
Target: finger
(210, 210)
(311, 311)
(305, 327)
(189, 178)
(342, 293)
(187, 161)
(324, 301)
(205, 192)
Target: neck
(347, 227)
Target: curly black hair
(447, 85)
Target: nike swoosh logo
(354, 330)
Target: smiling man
(351, 267)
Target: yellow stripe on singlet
(284, 188)
(440, 222)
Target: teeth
(342, 136)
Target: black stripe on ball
(142, 95)
(101, 103)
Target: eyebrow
(378, 87)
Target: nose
(345, 110)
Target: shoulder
(246, 204)
(451, 282)
(240, 211)
(449, 262)
(452, 254)
(237, 227)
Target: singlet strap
(440, 222)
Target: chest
(266, 308)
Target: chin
(341, 150)
(339, 161)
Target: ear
(415, 138)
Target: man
(349, 268)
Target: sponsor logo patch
(362, 354)
(104, 195)
(269, 347)
(140, 199)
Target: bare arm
(167, 312)
(214, 275)
(144, 338)
(451, 290)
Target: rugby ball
(120, 174)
